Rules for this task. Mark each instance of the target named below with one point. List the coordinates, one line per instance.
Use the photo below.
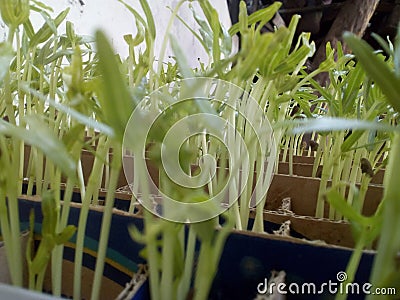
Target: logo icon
(194, 147)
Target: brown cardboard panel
(303, 192)
(304, 169)
(299, 169)
(109, 288)
(299, 159)
(318, 230)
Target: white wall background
(116, 20)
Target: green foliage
(41, 137)
(262, 15)
(38, 262)
(6, 55)
(386, 76)
(14, 12)
(48, 29)
(54, 90)
(115, 100)
(387, 79)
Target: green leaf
(293, 60)
(262, 15)
(48, 28)
(42, 6)
(354, 80)
(203, 26)
(183, 64)
(115, 99)
(376, 68)
(341, 205)
(73, 134)
(133, 11)
(292, 29)
(70, 31)
(28, 29)
(384, 45)
(6, 55)
(149, 18)
(49, 207)
(351, 140)
(65, 235)
(217, 31)
(139, 37)
(40, 136)
(204, 230)
(137, 235)
(71, 112)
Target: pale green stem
(325, 176)
(12, 201)
(30, 173)
(21, 113)
(40, 279)
(165, 40)
(317, 160)
(204, 272)
(385, 265)
(259, 219)
(246, 195)
(58, 252)
(291, 146)
(153, 257)
(106, 221)
(167, 265)
(48, 174)
(38, 170)
(102, 150)
(184, 284)
(7, 236)
(336, 168)
(285, 148)
(8, 98)
(352, 265)
(55, 185)
(57, 255)
(348, 157)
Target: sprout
(14, 12)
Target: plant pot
(248, 260)
(122, 258)
(305, 170)
(303, 193)
(300, 159)
(87, 160)
(319, 230)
